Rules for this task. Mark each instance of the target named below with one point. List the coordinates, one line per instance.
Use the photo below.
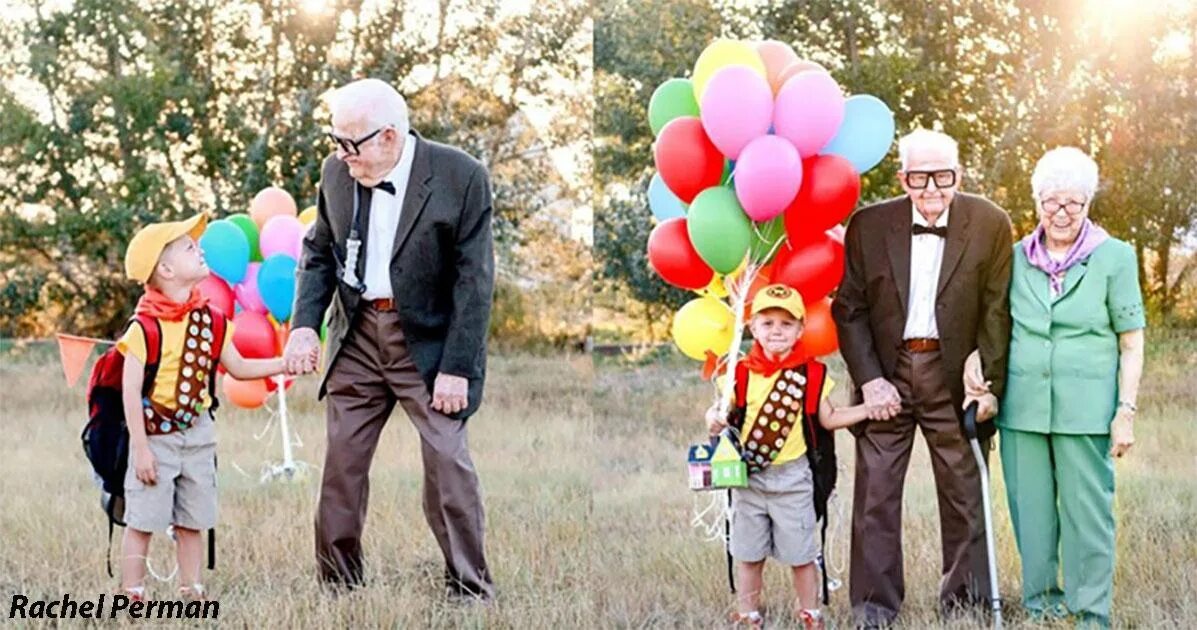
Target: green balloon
(765, 238)
(719, 230)
(250, 228)
(671, 99)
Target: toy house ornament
(728, 469)
(700, 466)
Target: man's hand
(449, 393)
(145, 466)
(302, 354)
(1122, 432)
(715, 424)
(987, 405)
(882, 399)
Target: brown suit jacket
(442, 264)
(972, 304)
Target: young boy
(172, 440)
(775, 514)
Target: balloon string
(737, 290)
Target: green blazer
(1063, 363)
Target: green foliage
(117, 113)
(1008, 80)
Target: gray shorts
(775, 516)
(185, 494)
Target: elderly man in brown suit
(402, 249)
(925, 284)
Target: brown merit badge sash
(199, 359)
(781, 410)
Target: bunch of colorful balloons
(252, 257)
(758, 158)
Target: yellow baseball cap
(779, 296)
(141, 256)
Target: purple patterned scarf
(1035, 247)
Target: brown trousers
(883, 450)
(374, 371)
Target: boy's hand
(145, 466)
(715, 424)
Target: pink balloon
(808, 112)
(777, 57)
(247, 290)
(282, 235)
(737, 107)
(768, 176)
(801, 65)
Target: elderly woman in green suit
(1076, 355)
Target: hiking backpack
(105, 437)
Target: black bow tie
(386, 186)
(941, 231)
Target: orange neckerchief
(758, 363)
(156, 304)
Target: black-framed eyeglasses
(1072, 206)
(920, 179)
(351, 146)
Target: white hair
(371, 100)
(1064, 169)
(927, 139)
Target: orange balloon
(777, 57)
(244, 394)
(271, 202)
(794, 68)
(818, 332)
(759, 282)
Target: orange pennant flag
(74, 352)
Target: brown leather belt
(383, 304)
(921, 345)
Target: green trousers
(1061, 494)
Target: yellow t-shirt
(756, 393)
(173, 336)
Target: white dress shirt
(926, 258)
(384, 222)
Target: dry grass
(531, 444)
(587, 506)
(655, 571)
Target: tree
(118, 113)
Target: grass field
(656, 571)
(588, 511)
(532, 444)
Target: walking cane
(968, 423)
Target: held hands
(145, 466)
(302, 354)
(1122, 432)
(882, 399)
(449, 393)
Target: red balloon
(254, 336)
(818, 331)
(812, 268)
(830, 189)
(220, 296)
(686, 158)
(672, 256)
